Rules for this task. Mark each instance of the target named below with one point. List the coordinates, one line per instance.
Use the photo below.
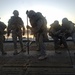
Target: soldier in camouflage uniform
(39, 29)
(2, 32)
(68, 28)
(58, 36)
(16, 27)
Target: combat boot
(56, 50)
(42, 57)
(15, 52)
(22, 50)
(4, 53)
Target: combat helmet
(15, 12)
(64, 20)
(56, 22)
(30, 13)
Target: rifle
(27, 37)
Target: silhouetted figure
(68, 28)
(2, 32)
(39, 29)
(16, 27)
(58, 36)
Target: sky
(51, 9)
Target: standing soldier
(39, 29)
(16, 27)
(2, 32)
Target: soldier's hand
(4, 32)
(23, 32)
(28, 26)
(7, 35)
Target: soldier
(39, 29)
(68, 28)
(58, 36)
(16, 27)
(2, 32)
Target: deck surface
(24, 64)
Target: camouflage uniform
(58, 36)
(68, 28)
(39, 29)
(2, 32)
(15, 24)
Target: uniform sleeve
(22, 25)
(21, 22)
(9, 24)
(3, 25)
(2, 28)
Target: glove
(23, 32)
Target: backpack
(42, 21)
(43, 25)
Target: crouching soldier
(69, 29)
(2, 32)
(39, 29)
(16, 27)
(58, 36)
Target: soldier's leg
(73, 38)
(14, 37)
(37, 42)
(21, 43)
(64, 42)
(1, 45)
(42, 47)
(56, 44)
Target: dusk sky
(51, 9)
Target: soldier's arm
(38, 26)
(3, 27)
(57, 32)
(23, 30)
(50, 33)
(9, 28)
(8, 31)
(71, 28)
(22, 23)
